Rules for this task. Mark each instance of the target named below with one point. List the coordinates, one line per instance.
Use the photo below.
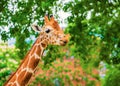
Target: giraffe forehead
(54, 30)
(47, 27)
(54, 25)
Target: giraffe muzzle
(64, 42)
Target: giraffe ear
(36, 28)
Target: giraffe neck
(23, 74)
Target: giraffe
(50, 34)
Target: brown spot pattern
(27, 78)
(33, 62)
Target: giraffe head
(51, 32)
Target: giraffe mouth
(63, 43)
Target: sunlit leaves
(103, 22)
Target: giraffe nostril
(65, 42)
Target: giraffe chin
(63, 44)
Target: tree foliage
(8, 61)
(91, 20)
(94, 27)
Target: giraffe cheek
(53, 42)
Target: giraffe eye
(47, 31)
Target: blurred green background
(92, 56)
